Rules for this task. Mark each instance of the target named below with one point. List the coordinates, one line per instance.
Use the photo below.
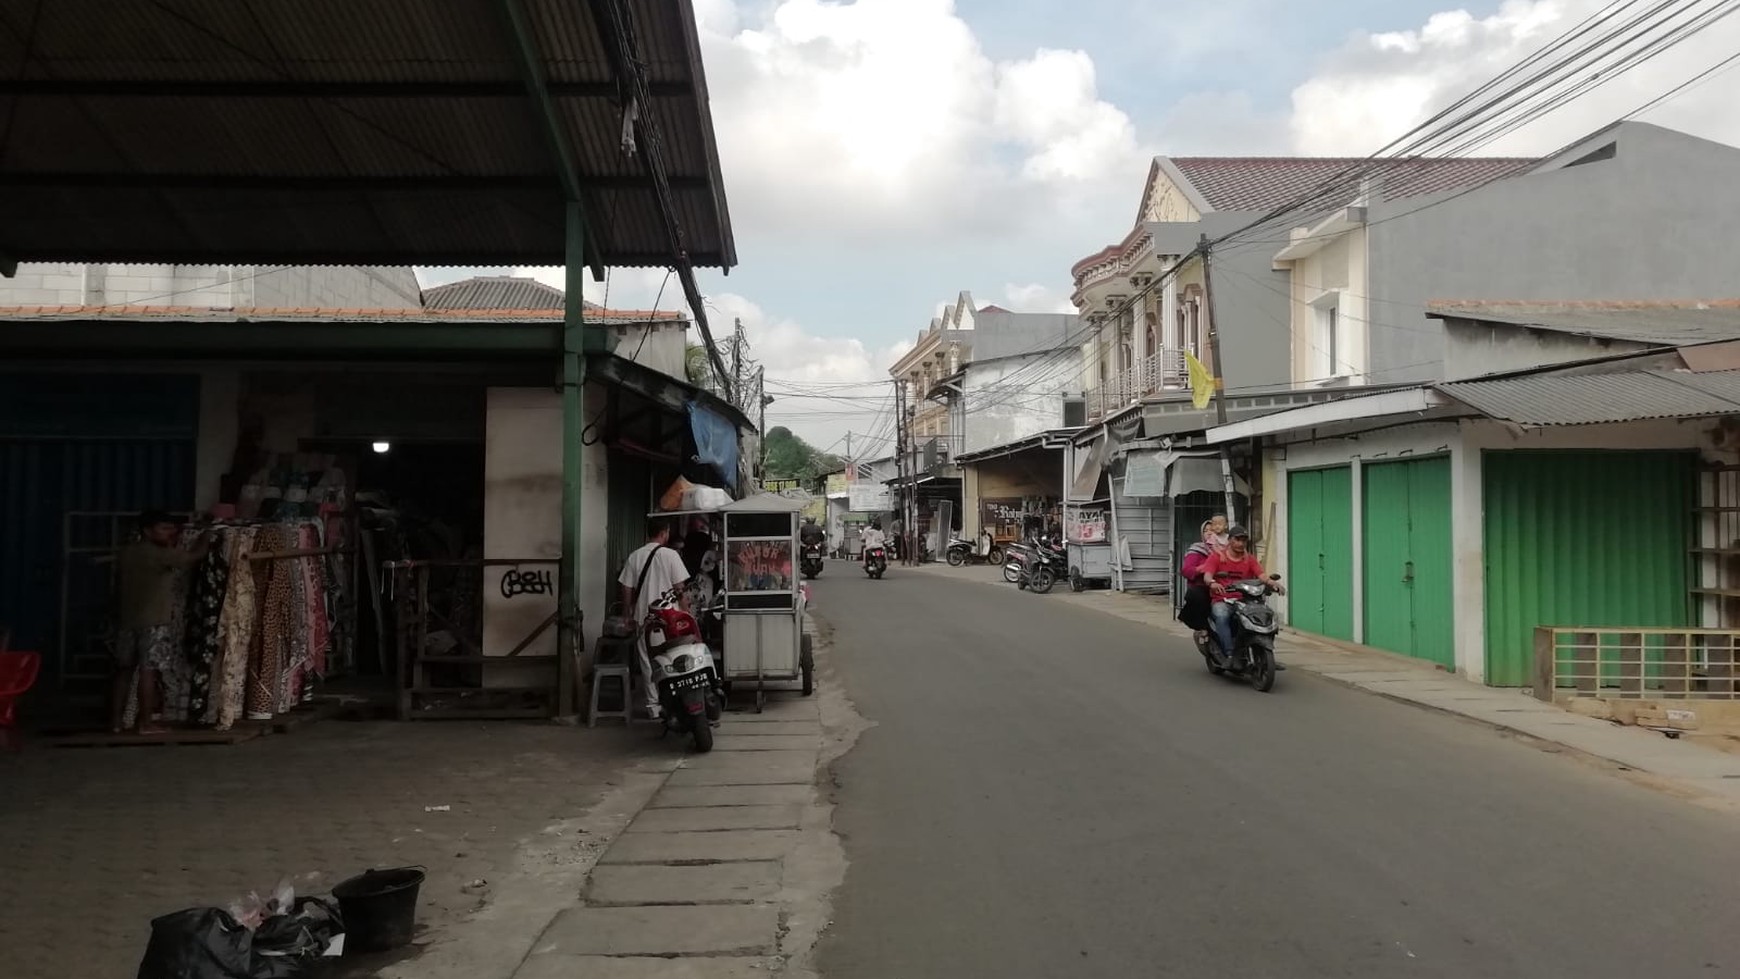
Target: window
(1328, 359)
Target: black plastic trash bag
(208, 943)
(199, 943)
(289, 946)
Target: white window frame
(1328, 343)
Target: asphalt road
(1052, 792)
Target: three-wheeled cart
(764, 600)
(1090, 553)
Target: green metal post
(571, 641)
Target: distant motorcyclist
(812, 533)
(872, 537)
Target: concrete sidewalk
(1706, 771)
(722, 875)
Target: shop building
(1593, 497)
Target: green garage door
(1583, 538)
(1406, 546)
(1320, 551)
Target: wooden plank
(128, 739)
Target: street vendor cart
(1090, 552)
(765, 602)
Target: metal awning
(370, 132)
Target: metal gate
(1406, 569)
(1142, 541)
(1320, 551)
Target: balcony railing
(1162, 370)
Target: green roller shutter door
(1320, 551)
(1406, 547)
(1583, 538)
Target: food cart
(764, 601)
(1090, 552)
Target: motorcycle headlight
(682, 663)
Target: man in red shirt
(1224, 568)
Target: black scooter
(1045, 564)
(1254, 627)
(810, 560)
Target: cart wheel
(996, 556)
(1076, 583)
(807, 663)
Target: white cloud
(1036, 298)
(887, 117)
(1381, 85)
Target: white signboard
(868, 497)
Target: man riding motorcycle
(1224, 568)
(872, 537)
(811, 532)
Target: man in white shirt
(666, 574)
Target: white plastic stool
(600, 673)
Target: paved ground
(1052, 791)
(96, 842)
(725, 873)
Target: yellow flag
(1201, 381)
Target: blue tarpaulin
(715, 441)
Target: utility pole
(1226, 473)
(912, 535)
(900, 453)
(762, 399)
(737, 355)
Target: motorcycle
(876, 561)
(1015, 558)
(960, 551)
(810, 560)
(691, 695)
(1254, 628)
(1047, 563)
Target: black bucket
(379, 909)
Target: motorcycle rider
(1224, 568)
(871, 537)
(812, 533)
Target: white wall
(1015, 397)
(1473, 349)
(523, 517)
(217, 286)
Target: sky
(881, 156)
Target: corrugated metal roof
(1265, 183)
(1666, 323)
(312, 132)
(493, 292)
(1593, 399)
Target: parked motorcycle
(1047, 562)
(1254, 628)
(876, 561)
(810, 560)
(1015, 559)
(684, 673)
(961, 551)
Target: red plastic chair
(18, 671)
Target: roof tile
(1266, 183)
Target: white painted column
(1467, 548)
(1356, 473)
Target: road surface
(1050, 792)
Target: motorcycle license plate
(689, 682)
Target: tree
(698, 366)
(790, 457)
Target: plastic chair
(600, 673)
(18, 671)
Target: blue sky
(882, 155)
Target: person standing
(652, 572)
(143, 646)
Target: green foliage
(790, 457)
